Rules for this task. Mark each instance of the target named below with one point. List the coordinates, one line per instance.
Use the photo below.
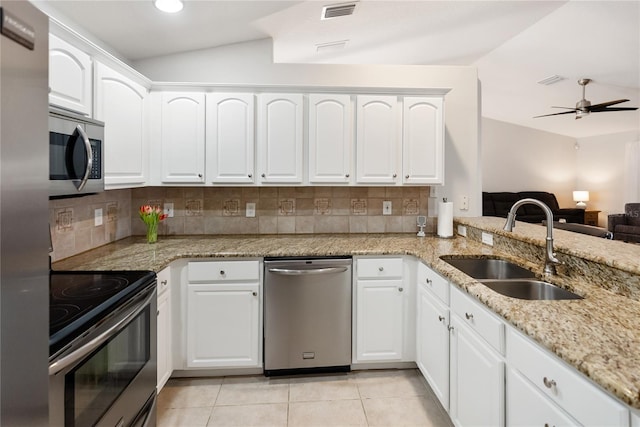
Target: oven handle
(96, 342)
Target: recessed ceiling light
(169, 6)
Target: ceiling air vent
(337, 10)
(551, 80)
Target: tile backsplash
(222, 210)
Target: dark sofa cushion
(632, 212)
(499, 203)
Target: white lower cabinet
(432, 336)
(558, 385)
(223, 315)
(380, 310)
(477, 379)
(164, 332)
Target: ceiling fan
(584, 107)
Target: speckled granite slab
(599, 335)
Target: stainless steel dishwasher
(307, 315)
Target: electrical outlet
(386, 207)
(487, 238)
(464, 203)
(97, 217)
(462, 230)
(168, 210)
(251, 210)
(433, 192)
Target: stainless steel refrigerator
(24, 207)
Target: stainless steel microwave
(76, 154)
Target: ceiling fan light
(169, 6)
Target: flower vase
(152, 232)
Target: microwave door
(70, 156)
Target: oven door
(110, 377)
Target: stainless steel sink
(488, 268)
(529, 289)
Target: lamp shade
(581, 196)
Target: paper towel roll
(445, 219)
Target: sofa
(626, 226)
(499, 203)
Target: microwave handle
(89, 151)
(96, 342)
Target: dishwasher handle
(304, 272)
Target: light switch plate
(97, 217)
(168, 210)
(251, 210)
(487, 238)
(386, 207)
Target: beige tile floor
(359, 398)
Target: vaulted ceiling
(514, 44)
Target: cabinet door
(330, 138)
(423, 140)
(379, 320)
(164, 339)
(432, 343)
(230, 138)
(477, 379)
(223, 325)
(378, 139)
(526, 406)
(122, 105)
(70, 77)
(280, 136)
(183, 137)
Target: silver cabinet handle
(429, 281)
(441, 318)
(263, 175)
(406, 176)
(450, 328)
(400, 289)
(290, 272)
(199, 175)
(222, 272)
(89, 151)
(469, 316)
(346, 176)
(380, 268)
(254, 293)
(549, 383)
(250, 176)
(395, 175)
(163, 283)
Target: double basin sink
(509, 279)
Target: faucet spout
(550, 257)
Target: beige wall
(517, 158)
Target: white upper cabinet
(122, 105)
(280, 138)
(423, 140)
(330, 139)
(70, 77)
(230, 138)
(378, 139)
(183, 137)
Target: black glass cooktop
(78, 299)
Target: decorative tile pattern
(322, 206)
(410, 207)
(112, 212)
(64, 220)
(358, 206)
(231, 207)
(287, 207)
(193, 207)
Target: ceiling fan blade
(614, 109)
(556, 114)
(606, 104)
(566, 108)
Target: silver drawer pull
(549, 383)
(469, 316)
(400, 289)
(441, 318)
(163, 283)
(450, 328)
(254, 293)
(380, 268)
(222, 273)
(429, 281)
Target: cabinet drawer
(434, 282)
(164, 278)
(221, 271)
(379, 268)
(478, 318)
(581, 398)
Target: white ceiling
(514, 44)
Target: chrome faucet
(550, 261)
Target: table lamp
(581, 197)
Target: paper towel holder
(422, 221)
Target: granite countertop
(599, 335)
